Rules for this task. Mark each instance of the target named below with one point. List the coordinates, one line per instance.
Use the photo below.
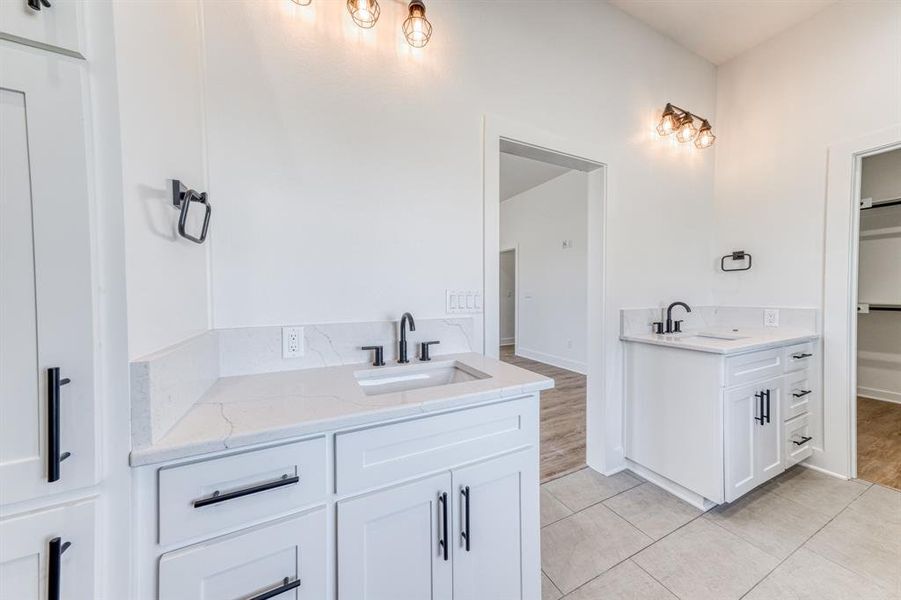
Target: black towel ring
(739, 255)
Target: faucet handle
(424, 350)
(658, 327)
(378, 357)
(677, 326)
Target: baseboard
(683, 493)
(877, 394)
(507, 341)
(807, 465)
(555, 361)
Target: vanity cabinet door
(496, 528)
(393, 544)
(768, 442)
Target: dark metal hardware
(182, 197)
(669, 316)
(658, 327)
(54, 567)
(801, 355)
(442, 541)
(217, 497)
(738, 255)
(379, 356)
(893, 202)
(424, 350)
(36, 4)
(804, 440)
(286, 586)
(767, 394)
(54, 456)
(402, 344)
(801, 393)
(465, 533)
(677, 326)
(760, 396)
(885, 307)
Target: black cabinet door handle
(442, 539)
(801, 355)
(286, 586)
(801, 393)
(465, 533)
(54, 456)
(759, 396)
(804, 440)
(216, 498)
(767, 392)
(54, 567)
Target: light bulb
(687, 130)
(705, 137)
(417, 28)
(365, 13)
(668, 122)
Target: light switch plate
(771, 317)
(463, 301)
(292, 342)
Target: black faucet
(402, 344)
(669, 317)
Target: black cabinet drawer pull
(465, 533)
(442, 540)
(759, 396)
(54, 456)
(286, 586)
(801, 393)
(804, 440)
(216, 498)
(801, 355)
(767, 392)
(54, 567)
(36, 4)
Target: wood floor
(562, 417)
(879, 442)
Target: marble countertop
(250, 409)
(748, 339)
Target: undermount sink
(413, 377)
(717, 335)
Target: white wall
(160, 79)
(779, 106)
(552, 288)
(508, 297)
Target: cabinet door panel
(251, 563)
(768, 443)
(388, 543)
(741, 408)
(501, 561)
(25, 547)
(46, 311)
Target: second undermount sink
(415, 376)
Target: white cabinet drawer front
(799, 394)
(58, 25)
(753, 367)
(286, 555)
(799, 356)
(208, 497)
(27, 549)
(798, 440)
(374, 457)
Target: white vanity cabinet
(712, 426)
(438, 506)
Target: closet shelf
(883, 231)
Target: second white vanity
(711, 414)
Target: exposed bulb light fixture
(365, 13)
(679, 121)
(417, 28)
(705, 137)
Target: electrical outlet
(292, 342)
(771, 317)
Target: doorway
(507, 300)
(878, 393)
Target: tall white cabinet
(48, 425)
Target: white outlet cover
(771, 317)
(292, 342)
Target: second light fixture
(679, 121)
(417, 29)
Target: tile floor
(803, 535)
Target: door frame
(515, 250)
(584, 155)
(837, 453)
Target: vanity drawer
(287, 555)
(58, 25)
(799, 356)
(211, 496)
(798, 441)
(374, 457)
(799, 394)
(755, 366)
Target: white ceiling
(720, 30)
(519, 174)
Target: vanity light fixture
(679, 121)
(365, 13)
(417, 28)
(302, 2)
